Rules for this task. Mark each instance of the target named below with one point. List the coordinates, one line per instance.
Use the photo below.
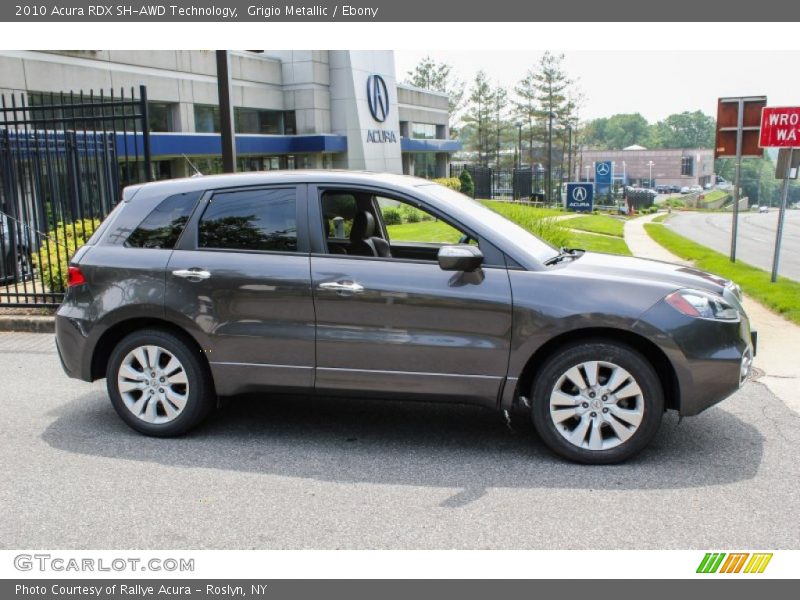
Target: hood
(627, 267)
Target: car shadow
(404, 443)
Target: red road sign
(780, 127)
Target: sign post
(738, 124)
(780, 128)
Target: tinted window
(251, 220)
(338, 211)
(164, 225)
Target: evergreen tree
(479, 117)
(438, 77)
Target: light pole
(549, 189)
(587, 173)
(650, 164)
(569, 152)
(519, 144)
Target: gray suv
(384, 286)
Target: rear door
(240, 281)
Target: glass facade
(160, 116)
(423, 131)
(246, 120)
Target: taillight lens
(75, 277)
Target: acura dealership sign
(378, 102)
(580, 196)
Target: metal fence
(64, 159)
(528, 184)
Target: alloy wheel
(153, 384)
(596, 405)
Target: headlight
(702, 305)
(735, 290)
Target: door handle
(342, 287)
(192, 273)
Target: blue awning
(163, 145)
(418, 145)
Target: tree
(686, 130)
(467, 185)
(500, 97)
(618, 132)
(479, 116)
(439, 77)
(526, 110)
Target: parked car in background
(663, 189)
(695, 189)
(15, 257)
(291, 282)
(763, 208)
(685, 190)
(675, 189)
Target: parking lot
(322, 473)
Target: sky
(654, 83)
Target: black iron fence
(64, 159)
(527, 184)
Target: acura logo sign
(579, 194)
(377, 98)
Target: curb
(28, 324)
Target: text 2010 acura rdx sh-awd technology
(291, 282)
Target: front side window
(406, 223)
(262, 220)
(163, 226)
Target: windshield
(520, 237)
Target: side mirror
(460, 258)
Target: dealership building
(293, 109)
(636, 165)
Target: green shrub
(52, 258)
(413, 217)
(392, 216)
(454, 183)
(467, 185)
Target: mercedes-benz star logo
(602, 168)
(377, 98)
(579, 194)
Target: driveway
(319, 473)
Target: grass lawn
(596, 224)
(660, 218)
(783, 296)
(424, 231)
(598, 243)
(518, 212)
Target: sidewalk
(778, 339)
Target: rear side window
(163, 226)
(263, 220)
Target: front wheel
(157, 384)
(597, 402)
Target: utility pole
(549, 182)
(227, 135)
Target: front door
(402, 327)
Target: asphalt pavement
(271, 473)
(755, 240)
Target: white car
(763, 209)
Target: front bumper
(711, 359)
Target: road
(305, 473)
(756, 240)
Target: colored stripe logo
(734, 562)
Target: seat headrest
(363, 226)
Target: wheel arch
(114, 334)
(655, 356)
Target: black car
(292, 282)
(15, 257)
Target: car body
(663, 189)
(675, 189)
(763, 208)
(695, 189)
(685, 190)
(302, 306)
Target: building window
(423, 131)
(206, 118)
(263, 220)
(425, 165)
(252, 120)
(289, 123)
(160, 116)
(687, 165)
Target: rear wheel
(158, 384)
(597, 402)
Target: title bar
(407, 10)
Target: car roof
(209, 182)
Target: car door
(403, 327)
(239, 280)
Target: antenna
(197, 172)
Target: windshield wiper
(564, 254)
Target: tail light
(75, 277)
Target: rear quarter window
(163, 226)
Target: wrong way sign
(780, 127)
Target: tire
(172, 396)
(599, 414)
